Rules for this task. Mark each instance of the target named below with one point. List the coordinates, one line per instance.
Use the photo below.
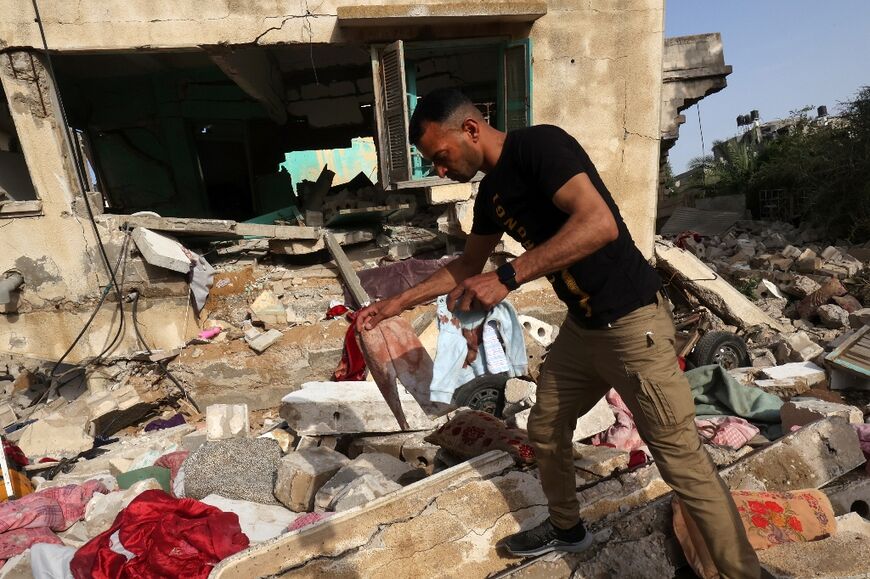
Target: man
(543, 190)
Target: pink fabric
(209, 333)
(623, 434)
(173, 462)
(863, 431)
(17, 541)
(729, 431)
(307, 519)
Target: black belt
(598, 322)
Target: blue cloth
(450, 372)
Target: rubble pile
(257, 416)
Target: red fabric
(680, 241)
(173, 462)
(168, 537)
(306, 520)
(14, 453)
(336, 311)
(353, 364)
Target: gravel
(241, 469)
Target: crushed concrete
(240, 468)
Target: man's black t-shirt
(516, 197)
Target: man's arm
(477, 249)
(590, 227)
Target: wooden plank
(360, 296)
(220, 227)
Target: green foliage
(827, 164)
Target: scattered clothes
(863, 431)
(459, 360)
(726, 431)
(308, 519)
(51, 561)
(209, 333)
(352, 366)
(388, 280)
(158, 536)
(164, 423)
(14, 454)
(471, 433)
(394, 353)
(201, 278)
(623, 434)
(173, 462)
(770, 518)
(33, 518)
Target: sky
(785, 54)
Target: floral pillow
(471, 433)
(770, 518)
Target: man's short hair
(438, 107)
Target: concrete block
(162, 251)
(224, 421)
(453, 193)
(301, 474)
(800, 347)
(268, 309)
(807, 458)
(801, 286)
(362, 490)
(802, 411)
(833, 316)
(418, 453)
(384, 465)
(259, 522)
(809, 372)
(599, 460)
(261, 342)
(542, 332)
(519, 391)
(56, 436)
(390, 444)
(850, 494)
(840, 556)
(348, 408)
(599, 419)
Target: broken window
(17, 193)
(494, 74)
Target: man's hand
(374, 314)
(482, 291)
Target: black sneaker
(546, 538)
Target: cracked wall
(597, 65)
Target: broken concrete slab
(833, 316)
(448, 521)
(713, 291)
(807, 458)
(390, 444)
(223, 421)
(348, 408)
(123, 406)
(843, 555)
(599, 460)
(301, 474)
(802, 411)
(418, 453)
(388, 467)
(258, 522)
(519, 391)
(239, 468)
(361, 491)
(450, 193)
(162, 251)
(809, 372)
(598, 419)
(57, 436)
(542, 332)
(260, 342)
(801, 286)
(798, 347)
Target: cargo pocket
(655, 405)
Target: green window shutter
(391, 100)
(516, 86)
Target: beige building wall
(597, 72)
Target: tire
(723, 348)
(485, 393)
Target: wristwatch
(508, 276)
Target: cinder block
(302, 473)
(224, 421)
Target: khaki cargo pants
(636, 356)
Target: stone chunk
(850, 495)
(598, 419)
(860, 318)
(239, 468)
(418, 453)
(802, 411)
(161, 250)
(56, 436)
(842, 555)
(223, 421)
(362, 490)
(387, 444)
(268, 309)
(798, 347)
(301, 474)
(519, 391)
(833, 316)
(347, 408)
(7, 415)
(384, 465)
(807, 371)
(599, 460)
(261, 342)
(807, 458)
(801, 286)
(259, 522)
